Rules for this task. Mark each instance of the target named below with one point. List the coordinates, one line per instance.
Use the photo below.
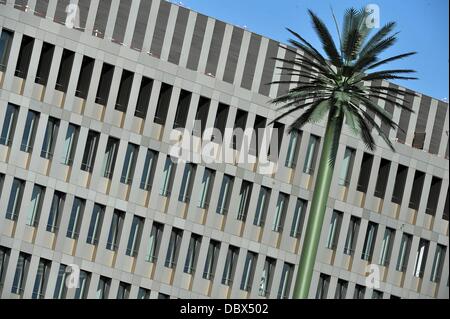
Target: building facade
(90, 92)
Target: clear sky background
(423, 26)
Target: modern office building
(86, 115)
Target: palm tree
(342, 84)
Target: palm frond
(365, 131)
(326, 39)
(377, 37)
(393, 58)
(296, 108)
(371, 55)
(379, 130)
(305, 116)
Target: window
(104, 284)
(5, 47)
(129, 164)
(29, 132)
(70, 144)
(163, 296)
(359, 293)
(155, 241)
(230, 265)
(346, 167)
(205, 193)
(221, 121)
(416, 191)
(383, 175)
(123, 95)
(2, 180)
(311, 155)
(259, 128)
(55, 211)
(163, 103)
(433, 195)
(275, 141)
(421, 258)
(419, 139)
(201, 116)
(352, 234)
(280, 212)
(322, 287)
(438, 263)
(4, 259)
(15, 199)
(341, 289)
(40, 283)
(399, 185)
(174, 248)
(285, 282)
(187, 182)
(244, 200)
(61, 287)
(143, 293)
(104, 85)
(109, 162)
(168, 173)
(84, 79)
(9, 124)
(261, 207)
(34, 210)
(45, 62)
(446, 206)
(249, 271)
(124, 290)
(115, 230)
(292, 151)
(334, 230)
(369, 242)
(20, 277)
(23, 60)
(135, 236)
(265, 283)
(65, 68)
(83, 285)
(76, 215)
(182, 109)
(95, 224)
(144, 97)
(299, 218)
(376, 294)
(225, 194)
(403, 256)
(386, 246)
(51, 133)
(149, 170)
(192, 254)
(211, 259)
(239, 127)
(90, 151)
(364, 173)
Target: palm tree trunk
(318, 206)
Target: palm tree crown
(341, 83)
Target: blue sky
(423, 26)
